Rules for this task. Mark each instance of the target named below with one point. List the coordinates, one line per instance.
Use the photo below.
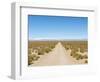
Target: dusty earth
(58, 56)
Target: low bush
(75, 55)
(32, 58)
(85, 56)
(52, 46)
(86, 61)
(78, 57)
(41, 52)
(47, 50)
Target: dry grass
(42, 47)
(78, 48)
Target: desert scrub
(30, 59)
(41, 46)
(71, 54)
(85, 56)
(47, 50)
(86, 61)
(74, 45)
(36, 58)
(75, 55)
(78, 57)
(41, 52)
(52, 46)
(29, 51)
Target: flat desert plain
(49, 53)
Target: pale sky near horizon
(57, 27)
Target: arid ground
(57, 53)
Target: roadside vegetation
(38, 48)
(78, 49)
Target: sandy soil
(58, 56)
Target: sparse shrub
(81, 57)
(47, 50)
(42, 46)
(74, 46)
(29, 51)
(78, 56)
(75, 55)
(85, 56)
(37, 57)
(41, 52)
(67, 48)
(52, 46)
(30, 59)
(71, 54)
(86, 61)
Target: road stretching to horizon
(58, 56)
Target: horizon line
(59, 40)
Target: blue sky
(57, 27)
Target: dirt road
(58, 56)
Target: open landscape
(41, 53)
(57, 40)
